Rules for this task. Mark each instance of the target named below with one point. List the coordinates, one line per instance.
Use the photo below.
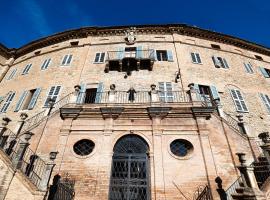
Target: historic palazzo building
(152, 112)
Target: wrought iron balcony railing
(140, 97)
(30, 164)
(139, 55)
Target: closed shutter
(120, 53)
(239, 101)
(8, 101)
(170, 55)
(165, 91)
(99, 92)
(216, 61)
(225, 63)
(193, 57)
(264, 72)
(97, 57)
(266, 101)
(12, 74)
(139, 52)
(20, 102)
(198, 58)
(53, 94)
(102, 57)
(214, 92)
(81, 95)
(34, 99)
(64, 60)
(69, 59)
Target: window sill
(197, 63)
(98, 62)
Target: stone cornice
(181, 29)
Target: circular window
(83, 147)
(181, 147)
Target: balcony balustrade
(130, 60)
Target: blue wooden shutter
(81, 96)
(69, 59)
(139, 52)
(216, 61)
(214, 92)
(225, 63)
(99, 93)
(197, 89)
(34, 99)
(170, 55)
(19, 104)
(266, 101)
(153, 54)
(120, 53)
(264, 72)
(193, 57)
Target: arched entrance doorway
(130, 169)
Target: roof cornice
(181, 29)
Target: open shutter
(120, 53)
(246, 68)
(69, 59)
(264, 72)
(139, 52)
(34, 99)
(19, 104)
(99, 92)
(225, 63)
(198, 58)
(197, 89)
(81, 96)
(153, 54)
(214, 92)
(170, 55)
(64, 60)
(266, 101)
(97, 57)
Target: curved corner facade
(144, 113)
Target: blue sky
(23, 21)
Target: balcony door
(130, 170)
(130, 52)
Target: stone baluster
(23, 117)
(22, 146)
(43, 186)
(266, 144)
(193, 93)
(75, 94)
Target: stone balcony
(128, 61)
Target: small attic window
(37, 52)
(215, 46)
(258, 57)
(74, 43)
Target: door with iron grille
(130, 170)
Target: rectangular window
(266, 101)
(265, 72)
(26, 69)
(239, 101)
(196, 58)
(258, 57)
(100, 57)
(12, 74)
(45, 64)
(220, 62)
(162, 55)
(165, 91)
(52, 94)
(249, 68)
(66, 60)
(215, 46)
(27, 100)
(8, 101)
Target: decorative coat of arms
(130, 35)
